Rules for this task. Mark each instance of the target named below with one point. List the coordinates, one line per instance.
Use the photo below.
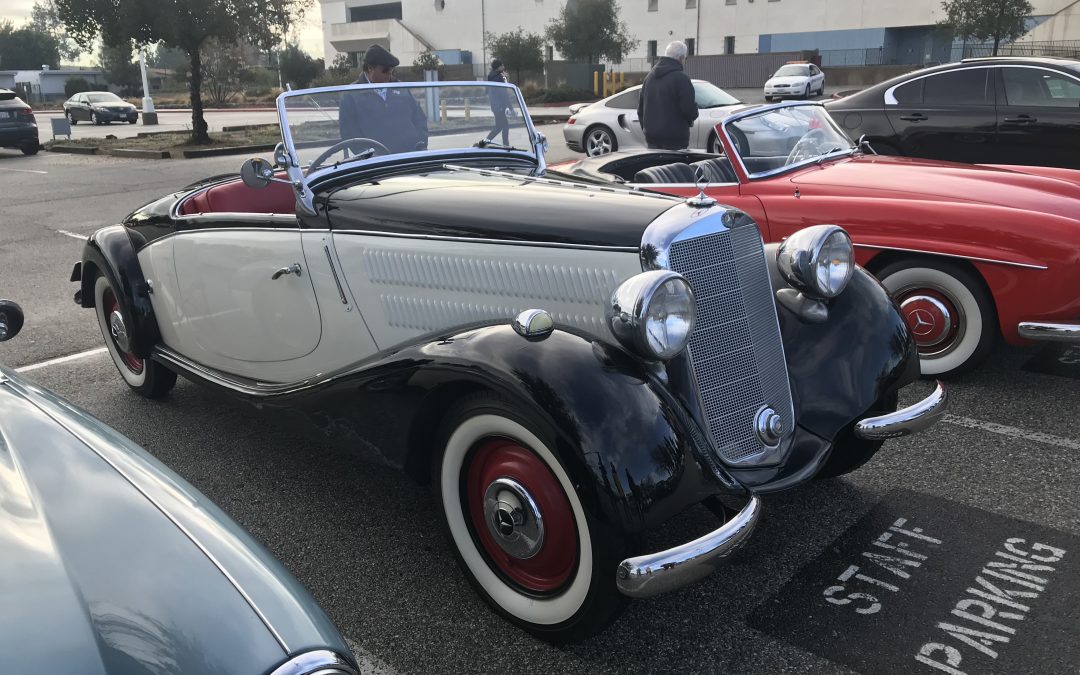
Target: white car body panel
(408, 288)
(794, 85)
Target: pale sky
(308, 33)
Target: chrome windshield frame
(753, 112)
(301, 183)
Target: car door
(244, 294)
(1038, 117)
(817, 78)
(949, 115)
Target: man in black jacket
(389, 115)
(666, 106)
(499, 99)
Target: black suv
(998, 110)
(18, 128)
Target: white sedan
(612, 123)
(797, 80)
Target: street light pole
(149, 117)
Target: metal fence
(1064, 48)
(741, 70)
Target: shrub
(75, 85)
(561, 94)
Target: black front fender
(625, 443)
(110, 251)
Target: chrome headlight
(818, 260)
(653, 314)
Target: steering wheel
(357, 145)
(807, 147)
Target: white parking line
(74, 235)
(1012, 432)
(62, 359)
(22, 170)
(369, 665)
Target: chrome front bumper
(658, 573)
(906, 421)
(1051, 332)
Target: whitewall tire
(147, 377)
(551, 568)
(949, 311)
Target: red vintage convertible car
(969, 252)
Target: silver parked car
(612, 123)
(112, 563)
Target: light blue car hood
(110, 563)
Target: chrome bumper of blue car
(1050, 332)
(648, 575)
(907, 420)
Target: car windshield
(330, 127)
(790, 71)
(780, 137)
(708, 95)
(104, 97)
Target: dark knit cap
(376, 55)
(496, 64)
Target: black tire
(849, 452)
(71, 118)
(714, 144)
(742, 143)
(949, 310)
(146, 377)
(806, 94)
(132, 121)
(605, 141)
(484, 436)
(30, 148)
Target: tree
(223, 72)
(26, 48)
(182, 24)
(116, 63)
(297, 68)
(45, 19)
(519, 51)
(426, 60)
(1000, 20)
(590, 30)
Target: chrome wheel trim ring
(513, 518)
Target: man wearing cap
(389, 115)
(499, 98)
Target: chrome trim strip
(954, 255)
(333, 270)
(909, 420)
(1050, 332)
(237, 384)
(479, 240)
(30, 394)
(319, 662)
(650, 575)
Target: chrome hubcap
(119, 331)
(599, 143)
(513, 518)
(929, 319)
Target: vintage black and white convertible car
(570, 365)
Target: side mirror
(257, 173)
(11, 319)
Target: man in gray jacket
(666, 106)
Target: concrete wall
(773, 24)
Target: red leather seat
(235, 197)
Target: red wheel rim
(133, 363)
(933, 317)
(554, 563)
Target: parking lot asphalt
(998, 476)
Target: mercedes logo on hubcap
(922, 322)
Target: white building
(48, 85)
(901, 32)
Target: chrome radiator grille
(736, 350)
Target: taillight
(572, 120)
(26, 114)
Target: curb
(73, 149)
(142, 154)
(146, 134)
(231, 150)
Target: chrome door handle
(291, 269)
